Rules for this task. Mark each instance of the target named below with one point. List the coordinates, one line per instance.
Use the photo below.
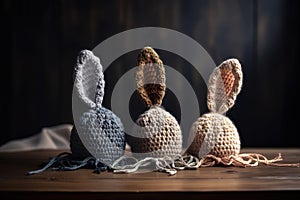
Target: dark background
(41, 40)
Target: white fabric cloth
(55, 137)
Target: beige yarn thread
(244, 160)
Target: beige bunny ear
(224, 85)
(150, 77)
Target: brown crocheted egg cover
(157, 133)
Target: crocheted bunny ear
(88, 93)
(224, 85)
(89, 79)
(150, 77)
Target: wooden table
(263, 182)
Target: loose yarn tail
(50, 163)
(182, 162)
(161, 164)
(244, 160)
(129, 164)
(186, 162)
(65, 162)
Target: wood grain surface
(211, 181)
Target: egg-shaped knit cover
(214, 138)
(97, 138)
(214, 133)
(157, 133)
(99, 129)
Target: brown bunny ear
(150, 77)
(224, 85)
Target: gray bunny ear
(89, 79)
(224, 85)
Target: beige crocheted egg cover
(214, 133)
(214, 139)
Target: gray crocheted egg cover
(103, 134)
(99, 129)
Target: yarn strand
(244, 160)
(161, 164)
(64, 161)
(49, 164)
